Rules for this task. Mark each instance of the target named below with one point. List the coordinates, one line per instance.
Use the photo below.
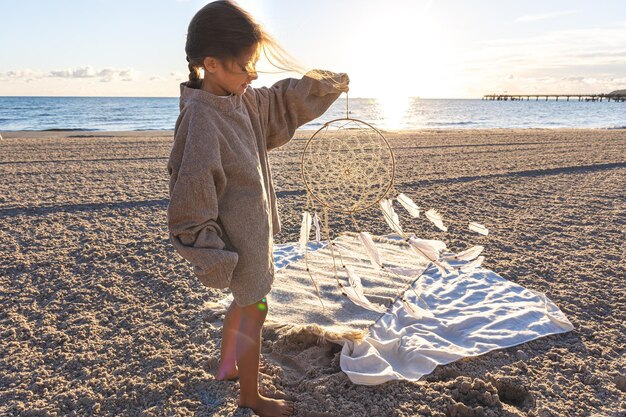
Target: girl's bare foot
(269, 407)
(227, 372)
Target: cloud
(108, 74)
(27, 75)
(104, 75)
(544, 16)
(593, 47)
(82, 72)
(177, 75)
(589, 60)
(88, 73)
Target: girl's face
(233, 76)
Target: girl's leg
(248, 355)
(227, 369)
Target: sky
(390, 49)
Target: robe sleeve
(291, 102)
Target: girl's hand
(341, 82)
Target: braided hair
(195, 79)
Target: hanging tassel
(478, 228)
(370, 249)
(305, 229)
(409, 205)
(355, 293)
(436, 218)
(390, 215)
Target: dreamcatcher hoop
(368, 165)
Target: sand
(100, 317)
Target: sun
(409, 54)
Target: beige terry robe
(222, 213)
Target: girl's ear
(210, 64)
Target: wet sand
(100, 316)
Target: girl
(222, 212)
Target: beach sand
(100, 317)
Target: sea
(141, 113)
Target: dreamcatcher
(348, 167)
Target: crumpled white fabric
(472, 313)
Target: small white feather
(436, 218)
(390, 215)
(409, 205)
(478, 228)
(355, 293)
(429, 249)
(415, 311)
(471, 253)
(318, 229)
(305, 229)
(370, 249)
(476, 263)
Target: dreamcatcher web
(347, 167)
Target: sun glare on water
(392, 110)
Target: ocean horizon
(38, 113)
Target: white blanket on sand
(472, 313)
(467, 313)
